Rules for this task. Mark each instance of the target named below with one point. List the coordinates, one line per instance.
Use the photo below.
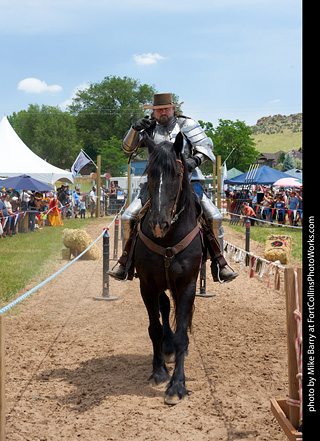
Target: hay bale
(278, 248)
(78, 241)
(66, 253)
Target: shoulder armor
(197, 137)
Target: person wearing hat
(164, 125)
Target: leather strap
(169, 252)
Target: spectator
(103, 195)
(266, 204)
(63, 199)
(280, 207)
(83, 207)
(32, 209)
(3, 214)
(76, 196)
(300, 197)
(24, 198)
(293, 207)
(92, 201)
(54, 216)
(10, 221)
(248, 211)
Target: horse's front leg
(160, 373)
(167, 345)
(176, 390)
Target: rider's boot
(121, 272)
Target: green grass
(260, 234)
(278, 141)
(25, 257)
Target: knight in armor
(164, 125)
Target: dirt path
(78, 368)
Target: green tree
(49, 132)
(288, 163)
(113, 159)
(107, 109)
(234, 139)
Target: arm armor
(131, 141)
(201, 143)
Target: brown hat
(161, 101)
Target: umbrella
(25, 182)
(287, 182)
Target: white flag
(224, 186)
(80, 162)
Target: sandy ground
(77, 368)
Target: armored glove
(143, 123)
(192, 163)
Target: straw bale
(278, 248)
(78, 241)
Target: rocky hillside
(277, 124)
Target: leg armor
(129, 217)
(128, 221)
(214, 235)
(213, 218)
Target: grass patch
(278, 141)
(26, 256)
(260, 234)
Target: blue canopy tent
(264, 176)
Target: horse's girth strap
(169, 252)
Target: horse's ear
(149, 142)
(178, 143)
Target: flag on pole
(224, 186)
(80, 162)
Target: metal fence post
(203, 292)
(105, 278)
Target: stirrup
(225, 281)
(111, 273)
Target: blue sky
(229, 59)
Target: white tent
(17, 159)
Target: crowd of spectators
(270, 204)
(49, 208)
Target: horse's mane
(163, 160)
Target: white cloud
(145, 59)
(34, 85)
(68, 102)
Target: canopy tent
(17, 159)
(232, 173)
(295, 173)
(263, 176)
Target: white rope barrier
(31, 291)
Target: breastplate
(168, 133)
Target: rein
(174, 209)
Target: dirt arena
(77, 368)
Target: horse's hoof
(172, 400)
(161, 385)
(170, 358)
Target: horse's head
(165, 180)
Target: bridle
(174, 215)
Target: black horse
(168, 255)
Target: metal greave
(213, 218)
